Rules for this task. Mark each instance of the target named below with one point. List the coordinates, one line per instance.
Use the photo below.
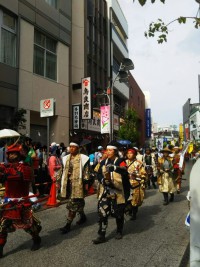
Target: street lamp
(121, 76)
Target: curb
(185, 261)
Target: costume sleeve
(121, 167)
(100, 176)
(86, 173)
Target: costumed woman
(137, 178)
(16, 211)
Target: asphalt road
(158, 237)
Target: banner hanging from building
(148, 122)
(86, 99)
(105, 119)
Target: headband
(131, 150)
(111, 147)
(73, 144)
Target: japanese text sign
(86, 99)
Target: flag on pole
(184, 150)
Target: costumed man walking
(16, 212)
(73, 184)
(177, 170)
(150, 165)
(111, 176)
(165, 176)
(137, 178)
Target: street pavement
(158, 237)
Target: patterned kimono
(136, 170)
(75, 175)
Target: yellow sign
(190, 148)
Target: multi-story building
(194, 122)
(137, 102)
(48, 48)
(89, 59)
(35, 55)
(190, 114)
(99, 44)
(118, 50)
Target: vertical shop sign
(86, 99)
(148, 122)
(76, 116)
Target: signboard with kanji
(76, 116)
(148, 122)
(86, 98)
(47, 107)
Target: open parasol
(124, 142)
(7, 133)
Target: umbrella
(85, 142)
(124, 142)
(6, 133)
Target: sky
(168, 71)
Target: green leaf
(182, 20)
(142, 2)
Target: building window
(8, 39)
(53, 3)
(45, 58)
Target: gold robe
(137, 194)
(79, 174)
(165, 179)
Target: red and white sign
(86, 99)
(47, 107)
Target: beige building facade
(35, 38)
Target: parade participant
(74, 183)
(140, 154)
(137, 177)
(150, 165)
(111, 199)
(177, 171)
(16, 212)
(165, 176)
(98, 155)
(55, 166)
